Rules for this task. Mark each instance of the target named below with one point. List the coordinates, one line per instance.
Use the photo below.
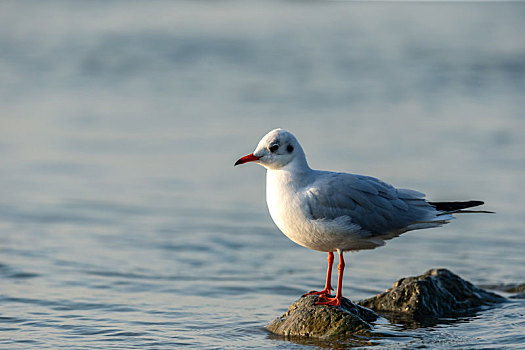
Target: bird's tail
(457, 207)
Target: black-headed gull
(333, 211)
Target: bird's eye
(273, 148)
(289, 148)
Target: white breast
(284, 196)
(283, 204)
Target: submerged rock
(513, 288)
(517, 289)
(436, 293)
(305, 319)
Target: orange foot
(321, 293)
(324, 300)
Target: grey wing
(376, 206)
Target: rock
(437, 293)
(517, 289)
(305, 319)
(412, 301)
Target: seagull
(338, 212)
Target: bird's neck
(294, 174)
(298, 166)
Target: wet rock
(413, 301)
(305, 319)
(436, 293)
(517, 289)
(514, 288)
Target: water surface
(123, 223)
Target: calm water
(123, 222)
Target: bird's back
(374, 205)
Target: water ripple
(10, 272)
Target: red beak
(246, 159)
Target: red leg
(323, 300)
(328, 284)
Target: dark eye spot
(273, 148)
(289, 148)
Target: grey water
(123, 223)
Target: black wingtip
(453, 206)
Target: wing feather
(374, 205)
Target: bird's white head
(277, 149)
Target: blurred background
(123, 222)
